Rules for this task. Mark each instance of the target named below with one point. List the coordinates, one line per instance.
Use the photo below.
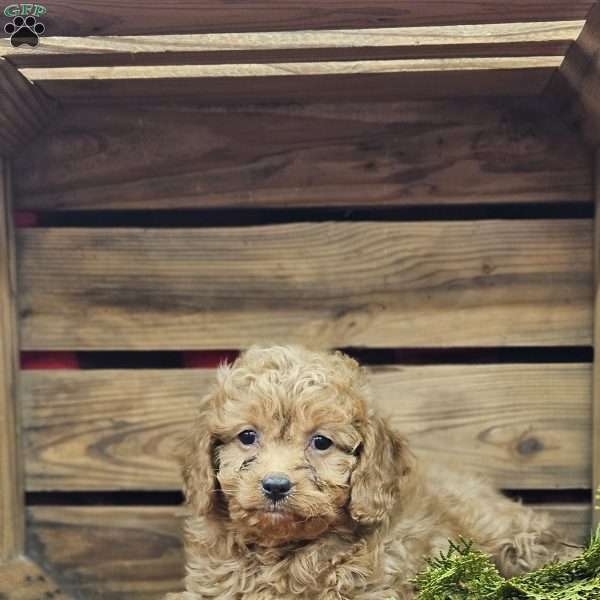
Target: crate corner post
(20, 577)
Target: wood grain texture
(524, 426)
(596, 373)
(137, 17)
(21, 579)
(315, 39)
(350, 84)
(110, 553)
(24, 110)
(76, 52)
(330, 284)
(11, 484)
(515, 39)
(380, 154)
(577, 83)
(78, 543)
(458, 66)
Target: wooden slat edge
(358, 67)
(22, 579)
(11, 492)
(596, 376)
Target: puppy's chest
(304, 573)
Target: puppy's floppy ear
(200, 484)
(384, 460)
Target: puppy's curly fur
(362, 515)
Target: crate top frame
(309, 51)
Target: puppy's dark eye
(320, 442)
(248, 437)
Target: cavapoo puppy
(299, 490)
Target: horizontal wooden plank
(307, 82)
(519, 39)
(68, 55)
(399, 37)
(22, 579)
(137, 17)
(147, 562)
(109, 553)
(256, 82)
(524, 426)
(355, 67)
(332, 284)
(381, 154)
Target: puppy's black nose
(276, 485)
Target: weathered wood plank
(307, 82)
(64, 52)
(79, 544)
(379, 284)
(498, 39)
(11, 488)
(137, 17)
(24, 111)
(596, 373)
(458, 66)
(577, 83)
(21, 579)
(326, 155)
(524, 426)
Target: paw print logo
(24, 31)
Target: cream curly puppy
(298, 490)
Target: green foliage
(467, 574)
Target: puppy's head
(287, 447)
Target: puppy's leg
(526, 540)
(518, 538)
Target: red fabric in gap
(24, 218)
(207, 359)
(49, 360)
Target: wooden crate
(414, 182)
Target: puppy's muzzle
(276, 486)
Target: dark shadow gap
(99, 498)
(550, 496)
(175, 498)
(448, 356)
(124, 359)
(244, 217)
